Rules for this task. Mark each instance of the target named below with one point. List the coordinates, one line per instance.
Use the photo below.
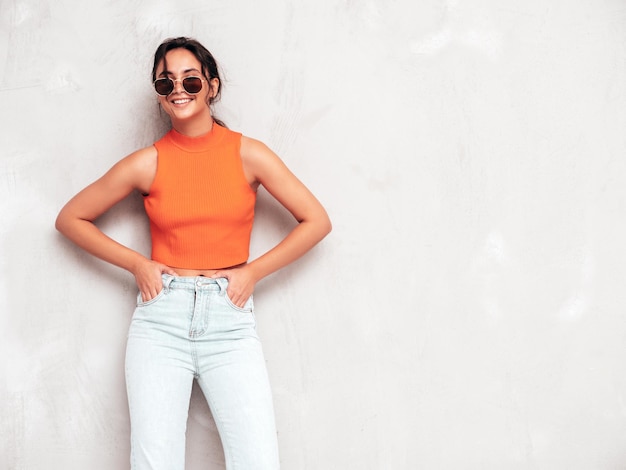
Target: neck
(199, 125)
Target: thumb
(219, 274)
(168, 270)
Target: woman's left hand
(241, 284)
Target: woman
(194, 315)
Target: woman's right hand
(148, 278)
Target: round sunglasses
(192, 85)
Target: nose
(178, 86)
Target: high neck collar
(197, 144)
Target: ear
(214, 85)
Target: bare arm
(264, 167)
(76, 218)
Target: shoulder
(261, 162)
(255, 152)
(143, 156)
(139, 160)
(138, 168)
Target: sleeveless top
(200, 205)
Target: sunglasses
(192, 85)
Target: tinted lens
(164, 86)
(192, 85)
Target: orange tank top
(200, 205)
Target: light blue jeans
(192, 330)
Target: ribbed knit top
(200, 205)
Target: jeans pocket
(247, 308)
(141, 303)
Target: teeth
(181, 101)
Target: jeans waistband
(193, 283)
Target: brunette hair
(206, 59)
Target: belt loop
(167, 280)
(223, 283)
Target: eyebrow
(165, 73)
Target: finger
(234, 299)
(232, 296)
(238, 299)
(154, 291)
(145, 296)
(242, 302)
(170, 271)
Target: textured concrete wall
(468, 310)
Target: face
(180, 105)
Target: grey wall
(468, 310)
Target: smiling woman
(188, 110)
(195, 315)
(199, 63)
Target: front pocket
(140, 303)
(247, 308)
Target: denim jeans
(192, 330)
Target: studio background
(466, 312)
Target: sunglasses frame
(174, 80)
